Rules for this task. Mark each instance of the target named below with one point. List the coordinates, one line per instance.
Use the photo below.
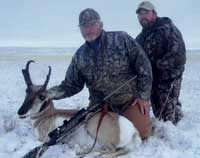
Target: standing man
(105, 62)
(164, 45)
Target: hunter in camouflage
(164, 45)
(103, 63)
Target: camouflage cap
(88, 16)
(145, 5)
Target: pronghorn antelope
(116, 134)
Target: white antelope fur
(116, 132)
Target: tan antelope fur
(116, 132)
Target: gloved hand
(55, 93)
(144, 105)
(51, 93)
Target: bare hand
(144, 106)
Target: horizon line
(71, 47)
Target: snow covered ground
(17, 136)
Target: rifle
(61, 133)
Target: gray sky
(55, 22)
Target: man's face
(146, 17)
(91, 31)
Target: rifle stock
(37, 151)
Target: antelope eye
(41, 97)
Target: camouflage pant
(165, 101)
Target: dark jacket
(164, 45)
(117, 59)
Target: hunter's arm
(141, 66)
(72, 84)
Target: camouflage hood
(160, 22)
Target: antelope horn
(44, 86)
(26, 74)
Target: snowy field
(17, 136)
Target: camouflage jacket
(164, 45)
(117, 59)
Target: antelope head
(36, 95)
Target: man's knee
(145, 132)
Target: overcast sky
(55, 22)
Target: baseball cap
(88, 16)
(145, 5)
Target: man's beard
(146, 23)
(90, 38)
